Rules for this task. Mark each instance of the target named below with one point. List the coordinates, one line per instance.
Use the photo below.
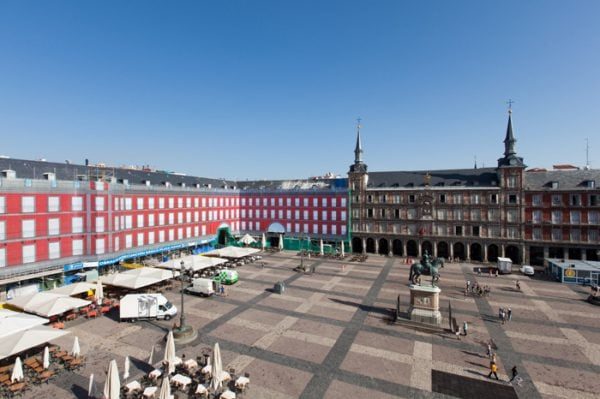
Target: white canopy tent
(12, 322)
(193, 262)
(47, 304)
(74, 289)
(23, 340)
(247, 239)
(138, 278)
(232, 252)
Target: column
(583, 254)
(364, 246)
(468, 251)
(565, 253)
(485, 259)
(435, 249)
(391, 249)
(524, 255)
(419, 249)
(451, 249)
(376, 246)
(404, 249)
(502, 251)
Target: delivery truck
(146, 307)
(201, 286)
(504, 265)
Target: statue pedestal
(425, 304)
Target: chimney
(87, 162)
(49, 176)
(9, 174)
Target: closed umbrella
(342, 248)
(91, 386)
(280, 242)
(151, 355)
(126, 368)
(165, 389)
(170, 352)
(263, 241)
(321, 248)
(46, 359)
(99, 291)
(76, 350)
(112, 386)
(216, 382)
(17, 373)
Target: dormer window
(554, 185)
(590, 183)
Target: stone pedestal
(425, 304)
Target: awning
(138, 278)
(232, 252)
(192, 262)
(48, 304)
(74, 289)
(12, 322)
(23, 340)
(247, 239)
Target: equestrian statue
(426, 266)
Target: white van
(146, 306)
(201, 286)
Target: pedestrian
(500, 313)
(468, 284)
(222, 289)
(490, 271)
(496, 272)
(518, 285)
(493, 370)
(465, 328)
(458, 333)
(479, 271)
(489, 350)
(493, 358)
(515, 373)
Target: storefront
(574, 271)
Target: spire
(358, 149)
(509, 141)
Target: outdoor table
(133, 386)
(46, 374)
(150, 391)
(154, 374)
(4, 378)
(178, 361)
(201, 389)
(181, 380)
(206, 369)
(227, 395)
(241, 382)
(190, 364)
(225, 376)
(71, 316)
(68, 358)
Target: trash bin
(279, 287)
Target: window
(458, 230)
(333, 215)
(140, 239)
(28, 204)
(315, 229)
(494, 199)
(556, 217)
(28, 253)
(2, 230)
(53, 227)
(77, 247)
(140, 220)
(442, 198)
(593, 235)
(512, 215)
(456, 214)
(556, 234)
(2, 205)
(537, 216)
(411, 199)
(53, 204)
(475, 199)
(334, 202)
(575, 200)
(77, 203)
(77, 225)
(161, 236)
(179, 217)
(475, 214)
(536, 200)
(457, 198)
(53, 250)
(28, 228)
(343, 203)
(343, 216)
(99, 246)
(315, 215)
(161, 203)
(575, 217)
(511, 181)
(324, 202)
(476, 231)
(370, 212)
(171, 202)
(179, 202)
(593, 217)
(593, 201)
(128, 241)
(188, 202)
(411, 213)
(150, 220)
(100, 224)
(99, 203)
(575, 235)
(512, 232)
(343, 229)
(512, 199)
(128, 204)
(140, 203)
(397, 213)
(556, 199)
(537, 233)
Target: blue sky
(271, 89)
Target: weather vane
(358, 125)
(510, 103)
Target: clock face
(513, 161)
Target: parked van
(201, 286)
(146, 306)
(227, 277)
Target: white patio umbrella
(99, 291)
(76, 349)
(342, 248)
(165, 389)
(112, 386)
(170, 352)
(280, 242)
(321, 248)
(126, 368)
(17, 373)
(151, 355)
(91, 386)
(216, 382)
(46, 359)
(263, 241)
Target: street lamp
(182, 317)
(184, 333)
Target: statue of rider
(426, 262)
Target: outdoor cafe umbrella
(17, 373)
(165, 389)
(126, 369)
(321, 247)
(263, 241)
(342, 248)
(46, 359)
(170, 352)
(216, 369)
(91, 386)
(151, 355)
(280, 242)
(99, 291)
(112, 386)
(76, 349)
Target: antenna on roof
(587, 154)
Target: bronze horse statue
(427, 267)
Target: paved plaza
(330, 335)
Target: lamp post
(182, 317)
(184, 333)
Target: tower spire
(509, 140)
(358, 149)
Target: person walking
(493, 358)
(515, 373)
(493, 370)
(489, 350)
(509, 313)
(465, 328)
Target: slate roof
(482, 177)
(567, 179)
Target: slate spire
(509, 140)
(358, 149)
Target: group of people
(505, 314)
(494, 367)
(475, 288)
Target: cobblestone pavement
(330, 335)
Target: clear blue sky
(271, 89)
